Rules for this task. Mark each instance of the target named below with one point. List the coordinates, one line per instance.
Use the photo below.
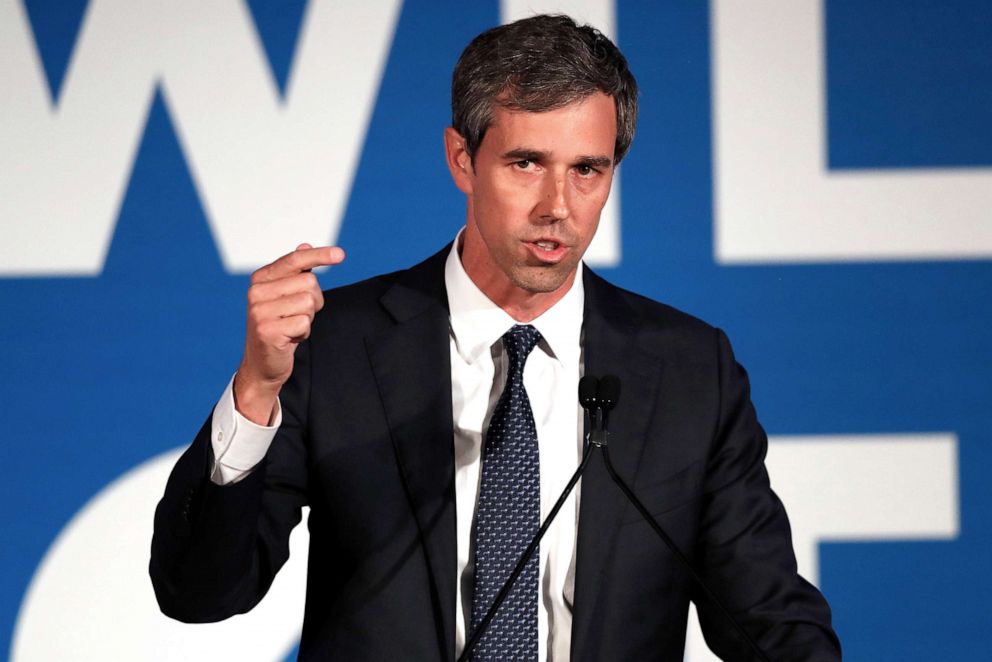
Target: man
(428, 417)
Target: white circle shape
(91, 598)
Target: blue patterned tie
(509, 514)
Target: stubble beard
(541, 279)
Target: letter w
(267, 170)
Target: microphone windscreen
(609, 392)
(588, 388)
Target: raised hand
(283, 298)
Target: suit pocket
(667, 494)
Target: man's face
(535, 193)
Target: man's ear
(459, 160)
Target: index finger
(298, 261)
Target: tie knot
(519, 341)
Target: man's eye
(585, 170)
(523, 164)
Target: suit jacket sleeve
(745, 544)
(216, 549)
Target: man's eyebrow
(595, 161)
(524, 154)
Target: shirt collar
(477, 323)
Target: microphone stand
(528, 553)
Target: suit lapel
(611, 346)
(411, 363)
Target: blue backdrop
(103, 371)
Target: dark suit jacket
(366, 442)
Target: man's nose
(555, 198)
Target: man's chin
(543, 280)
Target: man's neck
(522, 305)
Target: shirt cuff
(238, 443)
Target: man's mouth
(548, 251)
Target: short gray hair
(538, 64)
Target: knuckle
(255, 314)
(294, 260)
(291, 328)
(264, 331)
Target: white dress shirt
(478, 374)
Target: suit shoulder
(361, 293)
(674, 336)
(647, 312)
(369, 303)
(669, 316)
(355, 309)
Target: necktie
(508, 514)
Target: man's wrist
(255, 401)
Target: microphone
(588, 391)
(598, 405)
(594, 418)
(609, 391)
